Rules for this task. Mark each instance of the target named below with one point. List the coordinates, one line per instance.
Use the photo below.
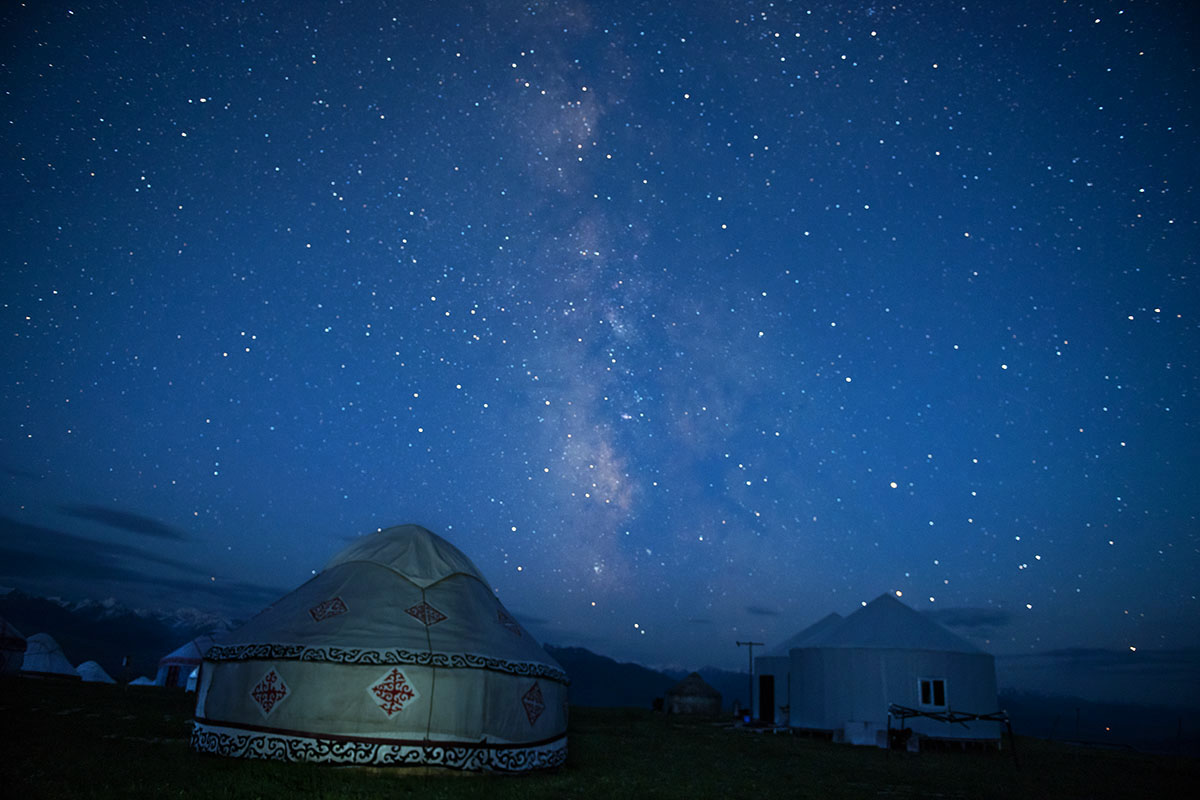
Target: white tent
(397, 653)
(844, 679)
(45, 659)
(12, 648)
(142, 681)
(91, 672)
(773, 673)
(175, 667)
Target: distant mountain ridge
(598, 680)
(107, 632)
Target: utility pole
(750, 678)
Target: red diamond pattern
(392, 691)
(507, 621)
(330, 608)
(426, 613)
(534, 703)
(269, 691)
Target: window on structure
(933, 692)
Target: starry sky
(689, 323)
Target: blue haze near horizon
(688, 325)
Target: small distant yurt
(91, 672)
(844, 680)
(175, 667)
(772, 682)
(693, 695)
(45, 659)
(397, 653)
(141, 681)
(12, 648)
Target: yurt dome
(397, 653)
(175, 668)
(12, 648)
(44, 658)
(693, 695)
(91, 672)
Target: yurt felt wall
(398, 652)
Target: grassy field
(88, 740)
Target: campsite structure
(12, 648)
(844, 675)
(693, 695)
(397, 653)
(91, 672)
(44, 658)
(175, 668)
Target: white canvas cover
(775, 666)
(12, 648)
(175, 667)
(91, 672)
(141, 681)
(398, 652)
(845, 678)
(45, 659)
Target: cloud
(971, 620)
(125, 520)
(759, 611)
(1179, 662)
(48, 557)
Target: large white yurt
(885, 653)
(772, 681)
(176, 666)
(44, 658)
(397, 653)
(12, 648)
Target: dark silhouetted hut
(693, 695)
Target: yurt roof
(412, 552)
(44, 655)
(188, 653)
(10, 637)
(888, 623)
(811, 632)
(92, 672)
(693, 686)
(362, 613)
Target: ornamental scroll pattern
(335, 751)
(393, 657)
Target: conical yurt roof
(91, 672)
(397, 642)
(12, 648)
(10, 637)
(44, 657)
(191, 653)
(810, 633)
(886, 622)
(693, 686)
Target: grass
(98, 741)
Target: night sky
(689, 323)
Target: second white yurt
(91, 672)
(176, 666)
(397, 653)
(844, 680)
(45, 659)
